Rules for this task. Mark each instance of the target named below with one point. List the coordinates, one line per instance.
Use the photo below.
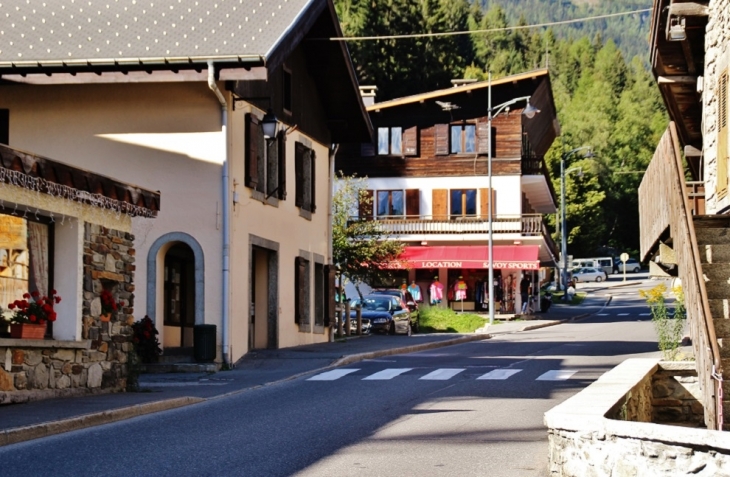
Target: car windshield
(374, 303)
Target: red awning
(511, 257)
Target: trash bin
(204, 342)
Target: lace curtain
(38, 244)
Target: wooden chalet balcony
(527, 225)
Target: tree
(359, 246)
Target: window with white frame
(390, 141)
(390, 203)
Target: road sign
(624, 257)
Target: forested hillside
(604, 100)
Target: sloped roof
(75, 32)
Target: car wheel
(409, 332)
(636, 270)
(598, 279)
(391, 328)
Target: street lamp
(563, 231)
(529, 112)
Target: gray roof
(105, 32)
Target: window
(391, 203)
(301, 292)
(390, 141)
(26, 258)
(287, 93)
(463, 138)
(265, 161)
(305, 175)
(463, 203)
(319, 284)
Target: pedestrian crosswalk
(442, 374)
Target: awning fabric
(510, 257)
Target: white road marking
(387, 374)
(602, 314)
(332, 375)
(500, 374)
(557, 375)
(644, 314)
(442, 374)
(623, 314)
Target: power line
(491, 30)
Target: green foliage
(445, 320)
(358, 246)
(669, 328)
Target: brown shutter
(722, 136)
(300, 271)
(272, 167)
(299, 151)
(313, 172)
(483, 196)
(281, 139)
(329, 301)
(410, 141)
(413, 204)
(483, 137)
(441, 133)
(439, 206)
(366, 206)
(252, 153)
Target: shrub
(669, 327)
(145, 341)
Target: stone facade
(35, 369)
(617, 426)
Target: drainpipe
(226, 239)
(330, 217)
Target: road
(469, 410)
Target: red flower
(58, 299)
(54, 292)
(11, 306)
(52, 316)
(26, 295)
(32, 318)
(35, 294)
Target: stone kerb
(37, 369)
(584, 440)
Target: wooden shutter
(483, 137)
(272, 167)
(300, 279)
(410, 141)
(367, 149)
(252, 152)
(484, 207)
(329, 300)
(299, 151)
(281, 139)
(313, 173)
(440, 204)
(413, 204)
(722, 136)
(441, 138)
(366, 206)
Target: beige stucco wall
(167, 137)
(717, 58)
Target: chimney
(463, 81)
(368, 95)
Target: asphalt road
(468, 410)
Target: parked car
(385, 314)
(632, 266)
(407, 298)
(589, 274)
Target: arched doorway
(179, 296)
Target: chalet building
(685, 222)
(177, 98)
(427, 175)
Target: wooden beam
(689, 9)
(678, 79)
(691, 151)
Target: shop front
(458, 276)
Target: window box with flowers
(108, 305)
(30, 315)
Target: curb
(20, 434)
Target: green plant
(34, 308)
(669, 327)
(108, 305)
(144, 338)
(444, 320)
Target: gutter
(225, 316)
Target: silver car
(589, 274)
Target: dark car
(407, 298)
(384, 313)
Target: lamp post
(529, 112)
(563, 229)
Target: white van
(604, 263)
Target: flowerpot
(105, 317)
(27, 331)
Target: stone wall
(35, 369)
(588, 435)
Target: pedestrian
(524, 292)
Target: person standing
(524, 292)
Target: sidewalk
(21, 422)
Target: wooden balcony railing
(665, 207)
